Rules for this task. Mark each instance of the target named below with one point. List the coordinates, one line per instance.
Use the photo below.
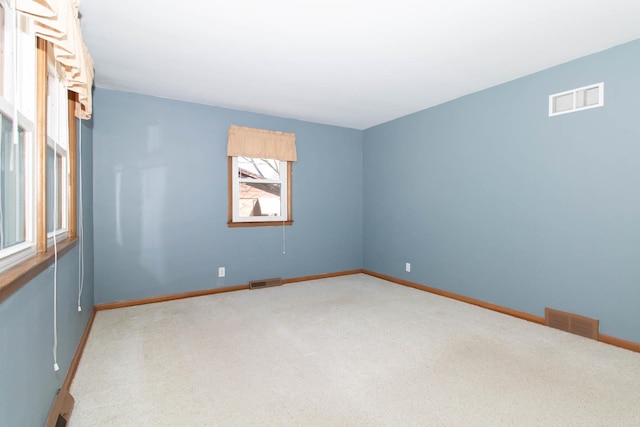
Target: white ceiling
(353, 63)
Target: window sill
(259, 224)
(16, 277)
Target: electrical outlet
(221, 272)
(407, 267)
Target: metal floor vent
(569, 322)
(265, 283)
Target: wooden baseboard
(619, 342)
(171, 297)
(321, 276)
(458, 297)
(607, 339)
(75, 362)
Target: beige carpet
(349, 351)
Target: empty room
(319, 213)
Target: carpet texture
(347, 351)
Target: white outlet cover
(407, 267)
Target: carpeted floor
(348, 351)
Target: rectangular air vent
(265, 283)
(583, 98)
(569, 322)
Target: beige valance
(57, 22)
(260, 143)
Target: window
(583, 98)
(17, 182)
(260, 190)
(260, 174)
(56, 192)
(21, 188)
(57, 156)
(38, 53)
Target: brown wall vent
(61, 409)
(265, 283)
(569, 322)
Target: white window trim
(59, 234)
(16, 254)
(284, 190)
(574, 108)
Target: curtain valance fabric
(260, 143)
(57, 22)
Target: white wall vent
(583, 98)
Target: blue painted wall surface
(160, 200)
(490, 198)
(28, 383)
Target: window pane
(251, 168)
(563, 103)
(54, 216)
(259, 199)
(12, 186)
(592, 96)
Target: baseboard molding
(75, 362)
(458, 297)
(321, 276)
(619, 342)
(607, 339)
(171, 297)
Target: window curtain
(57, 22)
(260, 143)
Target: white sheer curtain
(57, 22)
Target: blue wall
(486, 196)
(490, 198)
(28, 383)
(165, 231)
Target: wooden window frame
(287, 222)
